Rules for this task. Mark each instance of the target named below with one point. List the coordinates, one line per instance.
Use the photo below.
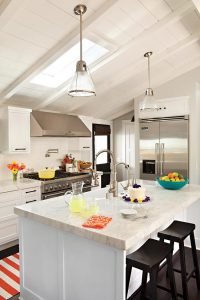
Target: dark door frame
(102, 167)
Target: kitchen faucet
(113, 181)
(128, 174)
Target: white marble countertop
(120, 233)
(7, 185)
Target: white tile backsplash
(80, 148)
(39, 146)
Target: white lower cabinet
(30, 195)
(8, 230)
(8, 220)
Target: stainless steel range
(61, 183)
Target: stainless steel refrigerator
(164, 146)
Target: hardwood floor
(194, 293)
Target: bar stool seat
(177, 232)
(148, 258)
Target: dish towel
(97, 222)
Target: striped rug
(9, 276)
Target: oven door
(53, 194)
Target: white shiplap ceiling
(34, 33)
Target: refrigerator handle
(162, 151)
(156, 156)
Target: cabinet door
(8, 231)
(19, 131)
(167, 108)
(8, 220)
(7, 203)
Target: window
(101, 142)
(64, 67)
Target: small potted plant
(15, 168)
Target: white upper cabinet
(170, 107)
(15, 130)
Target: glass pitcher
(77, 201)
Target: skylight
(63, 68)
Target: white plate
(128, 212)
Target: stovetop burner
(58, 175)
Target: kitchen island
(62, 260)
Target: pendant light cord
(81, 56)
(149, 71)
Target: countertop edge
(80, 231)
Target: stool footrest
(167, 290)
(189, 275)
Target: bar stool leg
(167, 272)
(144, 284)
(128, 276)
(153, 282)
(195, 259)
(183, 271)
(171, 277)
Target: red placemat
(97, 222)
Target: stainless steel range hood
(54, 124)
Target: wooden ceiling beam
(124, 75)
(55, 52)
(192, 64)
(169, 19)
(197, 4)
(127, 74)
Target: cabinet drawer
(7, 203)
(8, 230)
(30, 195)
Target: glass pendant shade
(149, 102)
(82, 84)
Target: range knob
(46, 188)
(51, 187)
(59, 186)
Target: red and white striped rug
(9, 276)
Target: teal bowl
(172, 185)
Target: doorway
(101, 140)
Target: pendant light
(82, 84)
(149, 102)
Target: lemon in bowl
(172, 181)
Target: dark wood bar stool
(148, 258)
(177, 232)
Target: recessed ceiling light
(63, 68)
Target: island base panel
(56, 264)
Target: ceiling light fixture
(82, 84)
(149, 102)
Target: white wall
(121, 144)
(39, 146)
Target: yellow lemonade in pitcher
(77, 203)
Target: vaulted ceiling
(34, 33)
